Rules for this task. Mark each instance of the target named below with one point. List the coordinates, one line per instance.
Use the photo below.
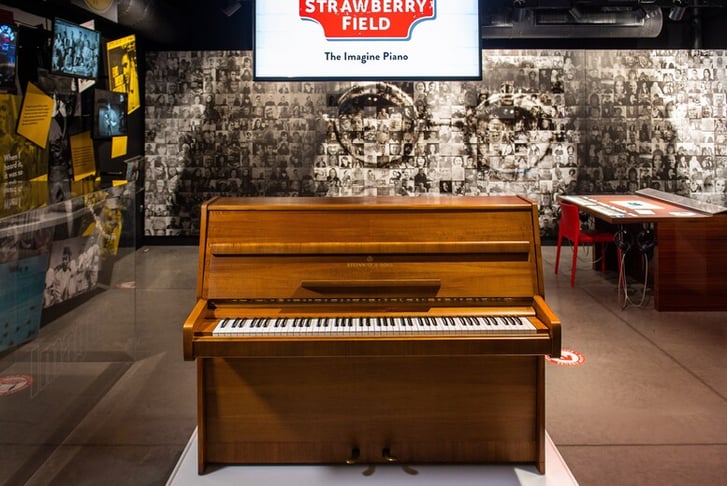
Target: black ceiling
(227, 24)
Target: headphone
(645, 241)
(623, 240)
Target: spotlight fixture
(231, 8)
(677, 11)
(519, 13)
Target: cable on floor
(622, 284)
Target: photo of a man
(110, 114)
(108, 121)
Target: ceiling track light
(519, 12)
(677, 11)
(231, 8)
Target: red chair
(569, 228)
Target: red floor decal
(12, 384)
(568, 357)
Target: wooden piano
(370, 330)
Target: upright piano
(371, 331)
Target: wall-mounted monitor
(372, 39)
(8, 46)
(109, 114)
(75, 50)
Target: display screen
(8, 44)
(367, 39)
(109, 113)
(75, 50)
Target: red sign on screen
(367, 19)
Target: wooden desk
(690, 258)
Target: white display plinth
(557, 473)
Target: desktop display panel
(75, 50)
(370, 39)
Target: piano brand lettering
(367, 18)
(368, 265)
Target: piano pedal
(355, 455)
(389, 458)
(386, 453)
(353, 459)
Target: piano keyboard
(321, 326)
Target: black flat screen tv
(109, 114)
(75, 50)
(8, 46)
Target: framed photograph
(109, 114)
(75, 50)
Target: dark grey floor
(113, 402)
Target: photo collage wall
(539, 124)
